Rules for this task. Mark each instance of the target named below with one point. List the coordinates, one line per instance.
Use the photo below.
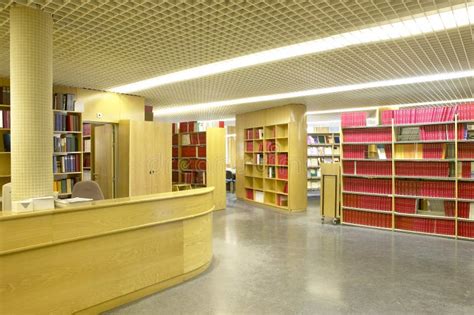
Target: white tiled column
(31, 102)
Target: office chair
(230, 180)
(87, 189)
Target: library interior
(236, 157)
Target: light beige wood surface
(215, 165)
(94, 257)
(144, 158)
(294, 117)
(330, 190)
(104, 159)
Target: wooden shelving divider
(323, 147)
(412, 173)
(271, 157)
(68, 143)
(88, 158)
(198, 158)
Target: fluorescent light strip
(433, 22)
(356, 109)
(173, 110)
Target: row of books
(466, 169)
(312, 151)
(425, 188)
(313, 185)
(282, 173)
(5, 98)
(314, 173)
(466, 229)
(5, 118)
(87, 145)
(419, 115)
(251, 134)
(192, 151)
(465, 209)
(196, 178)
(354, 119)
(367, 218)
(466, 150)
(425, 225)
(466, 111)
(364, 151)
(424, 151)
(68, 143)
(440, 132)
(316, 162)
(64, 186)
(406, 205)
(66, 101)
(6, 142)
(259, 159)
(66, 122)
(282, 200)
(382, 168)
(423, 169)
(368, 135)
(86, 129)
(327, 139)
(466, 131)
(466, 190)
(367, 202)
(192, 164)
(281, 158)
(86, 161)
(193, 138)
(67, 163)
(365, 185)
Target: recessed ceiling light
(427, 23)
(173, 110)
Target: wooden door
(162, 168)
(104, 159)
(138, 169)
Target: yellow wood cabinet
(144, 158)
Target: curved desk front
(97, 256)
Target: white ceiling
(104, 43)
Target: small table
(179, 187)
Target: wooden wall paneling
(123, 176)
(216, 164)
(162, 157)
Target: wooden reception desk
(91, 258)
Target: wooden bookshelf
(271, 157)
(425, 172)
(323, 147)
(199, 158)
(87, 144)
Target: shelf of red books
(270, 145)
(368, 176)
(365, 210)
(466, 229)
(365, 193)
(368, 202)
(371, 169)
(367, 186)
(282, 172)
(367, 218)
(249, 194)
(424, 225)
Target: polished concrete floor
(271, 263)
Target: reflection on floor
(271, 263)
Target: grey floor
(271, 263)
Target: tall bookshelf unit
(5, 164)
(412, 173)
(271, 157)
(198, 158)
(88, 159)
(68, 144)
(323, 147)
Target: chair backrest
(228, 175)
(87, 189)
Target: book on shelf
(369, 152)
(424, 169)
(67, 164)
(380, 168)
(64, 186)
(282, 158)
(249, 194)
(86, 129)
(425, 225)
(367, 218)
(425, 188)
(314, 185)
(249, 134)
(354, 119)
(282, 200)
(381, 152)
(64, 101)
(368, 135)
(259, 133)
(314, 173)
(5, 98)
(367, 202)
(5, 119)
(365, 185)
(466, 229)
(66, 122)
(259, 196)
(67, 143)
(282, 173)
(6, 142)
(259, 159)
(466, 190)
(271, 172)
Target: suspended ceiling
(101, 44)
